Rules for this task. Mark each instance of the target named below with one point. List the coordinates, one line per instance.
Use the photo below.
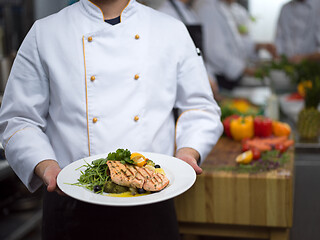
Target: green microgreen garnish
(95, 175)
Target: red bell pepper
(262, 126)
(226, 124)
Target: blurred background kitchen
(270, 87)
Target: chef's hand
(190, 156)
(48, 171)
(297, 59)
(271, 48)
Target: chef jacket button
(136, 118)
(136, 77)
(92, 78)
(137, 36)
(94, 120)
(90, 39)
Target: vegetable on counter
(226, 124)
(268, 161)
(245, 157)
(241, 128)
(280, 128)
(262, 126)
(267, 144)
(238, 106)
(248, 156)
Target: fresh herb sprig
(122, 155)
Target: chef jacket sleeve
(198, 126)
(23, 113)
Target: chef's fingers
(190, 156)
(50, 177)
(195, 166)
(51, 180)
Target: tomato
(244, 140)
(280, 147)
(256, 154)
(245, 147)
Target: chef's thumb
(51, 184)
(196, 168)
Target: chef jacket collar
(95, 12)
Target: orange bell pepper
(280, 129)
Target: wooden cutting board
(224, 197)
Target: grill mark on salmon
(138, 177)
(155, 182)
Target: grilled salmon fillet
(137, 177)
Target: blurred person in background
(182, 10)
(227, 50)
(298, 30)
(241, 17)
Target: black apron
(65, 218)
(195, 30)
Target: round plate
(180, 174)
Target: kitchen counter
(231, 204)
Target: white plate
(180, 174)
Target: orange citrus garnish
(138, 159)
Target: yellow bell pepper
(242, 128)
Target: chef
(298, 30)
(241, 17)
(227, 51)
(182, 10)
(97, 76)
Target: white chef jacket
(298, 30)
(225, 49)
(81, 87)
